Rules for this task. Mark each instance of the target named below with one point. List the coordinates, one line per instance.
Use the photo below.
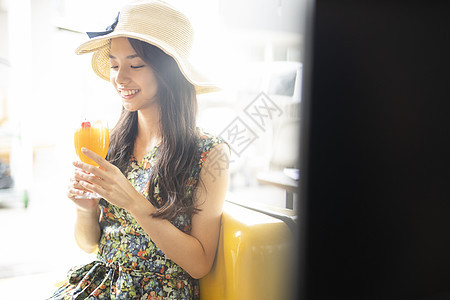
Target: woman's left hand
(107, 181)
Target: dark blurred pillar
(376, 136)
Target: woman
(163, 184)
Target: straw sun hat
(157, 23)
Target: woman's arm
(194, 252)
(87, 230)
(87, 227)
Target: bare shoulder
(213, 184)
(216, 164)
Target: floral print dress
(129, 265)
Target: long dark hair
(176, 155)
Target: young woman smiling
(163, 183)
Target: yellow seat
(254, 258)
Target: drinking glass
(95, 137)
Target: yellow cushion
(254, 258)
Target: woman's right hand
(78, 195)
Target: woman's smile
(128, 93)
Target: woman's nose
(121, 76)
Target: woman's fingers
(93, 188)
(102, 171)
(106, 180)
(88, 177)
(103, 163)
(75, 189)
(71, 193)
(88, 168)
(74, 185)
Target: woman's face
(132, 78)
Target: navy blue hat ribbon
(108, 29)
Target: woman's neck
(149, 132)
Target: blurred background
(253, 49)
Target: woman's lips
(128, 93)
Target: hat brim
(101, 61)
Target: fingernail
(83, 149)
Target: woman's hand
(76, 193)
(107, 181)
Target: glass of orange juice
(93, 136)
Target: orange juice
(95, 137)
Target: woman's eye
(133, 67)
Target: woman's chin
(129, 107)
